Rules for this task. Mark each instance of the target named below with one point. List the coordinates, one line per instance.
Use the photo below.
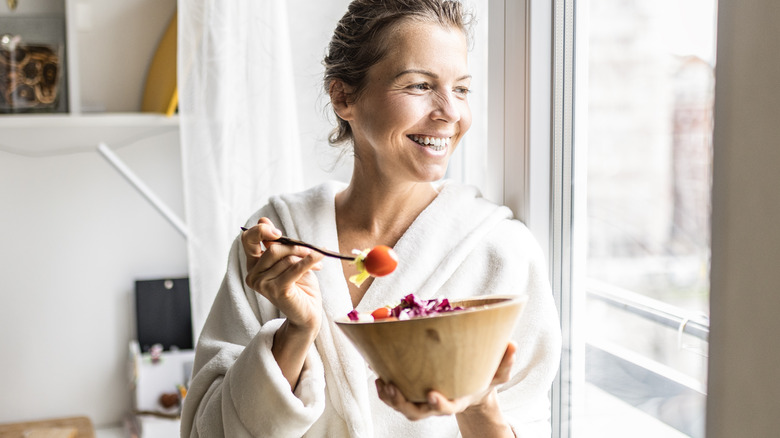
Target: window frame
(520, 137)
(519, 89)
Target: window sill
(605, 416)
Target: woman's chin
(433, 175)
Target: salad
(409, 307)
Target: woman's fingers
(253, 238)
(392, 397)
(282, 275)
(274, 254)
(504, 371)
(299, 268)
(281, 266)
(260, 277)
(437, 403)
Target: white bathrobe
(461, 245)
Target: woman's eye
(422, 86)
(464, 91)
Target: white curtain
(239, 132)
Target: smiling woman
(270, 360)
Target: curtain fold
(239, 130)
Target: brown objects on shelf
(169, 400)
(29, 77)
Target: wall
(744, 381)
(74, 236)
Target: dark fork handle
(288, 241)
(284, 240)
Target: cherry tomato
(380, 261)
(381, 313)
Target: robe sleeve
(510, 261)
(237, 388)
(525, 398)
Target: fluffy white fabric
(461, 245)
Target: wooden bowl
(455, 353)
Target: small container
(30, 75)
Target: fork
(284, 240)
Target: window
(599, 138)
(633, 98)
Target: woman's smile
(434, 146)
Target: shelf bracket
(143, 189)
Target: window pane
(645, 72)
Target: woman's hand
(478, 412)
(283, 274)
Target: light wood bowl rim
(506, 300)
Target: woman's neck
(374, 209)
(369, 213)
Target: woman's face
(414, 108)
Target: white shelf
(109, 48)
(47, 134)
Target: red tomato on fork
(380, 261)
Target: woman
(270, 361)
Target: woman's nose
(446, 107)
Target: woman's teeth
(435, 143)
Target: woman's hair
(360, 41)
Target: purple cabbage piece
(412, 307)
(353, 315)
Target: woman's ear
(340, 99)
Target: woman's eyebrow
(427, 73)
